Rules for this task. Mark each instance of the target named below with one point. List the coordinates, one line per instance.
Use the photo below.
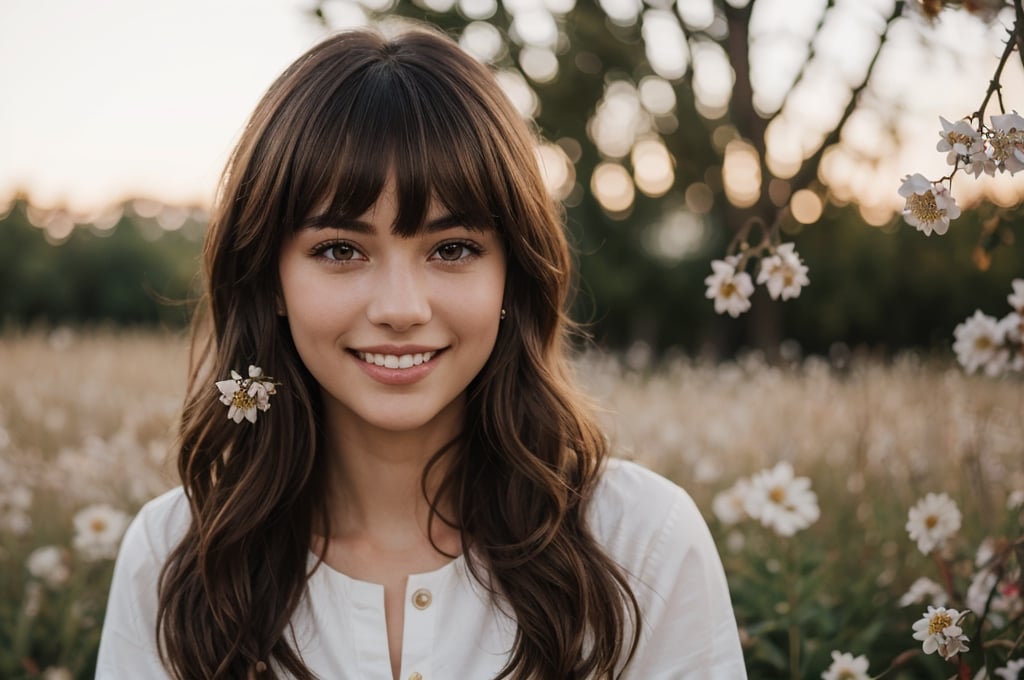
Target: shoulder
(638, 516)
(653, 530)
(153, 533)
(158, 527)
(128, 646)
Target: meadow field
(87, 423)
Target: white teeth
(395, 360)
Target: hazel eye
(339, 252)
(457, 252)
(452, 252)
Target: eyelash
(320, 250)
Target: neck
(376, 486)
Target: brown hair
(352, 110)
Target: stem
(994, 85)
(794, 631)
(947, 575)
(1018, 25)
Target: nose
(399, 300)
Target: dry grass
(90, 417)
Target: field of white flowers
(815, 478)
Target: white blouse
(453, 631)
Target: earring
(502, 313)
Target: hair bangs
(390, 125)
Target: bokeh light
(652, 167)
(613, 188)
(741, 173)
(806, 206)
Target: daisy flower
(783, 273)
(980, 343)
(932, 521)
(731, 290)
(847, 667)
(782, 502)
(924, 590)
(98, 531)
(939, 631)
(47, 564)
(246, 396)
(728, 505)
(929, 205)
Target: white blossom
(1015, 499)
(939, 631)
(1007, 142)
(246, 396)
(933, 521)
(57, 673)
(847, 667)
(980, 343)
(959, 140)
(1013, 670)
(783, 273)
(1005, 599)
(48, 564)
(731, 290)
(929, 205)
(924, 590)
(782, 502)
(1016, 298)
(98, 531)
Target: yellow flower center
(847, 675)
(777, 495)
(930, 521)
(242, 400)
(958, 138)
(939, 622)
(728, 289)
(923, 207)
(983, 342)
(1004, 144)
(98, 525)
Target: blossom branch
(995, 84)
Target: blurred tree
(133, 271)
(674, 125)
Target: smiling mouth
(396, 360)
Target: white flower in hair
(246, 396)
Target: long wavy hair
(353, 110)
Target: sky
(106, 100)
(109, 99)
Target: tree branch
(809, 168)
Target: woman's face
(393, 328)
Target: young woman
(417, 492)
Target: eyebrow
(320, 222)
